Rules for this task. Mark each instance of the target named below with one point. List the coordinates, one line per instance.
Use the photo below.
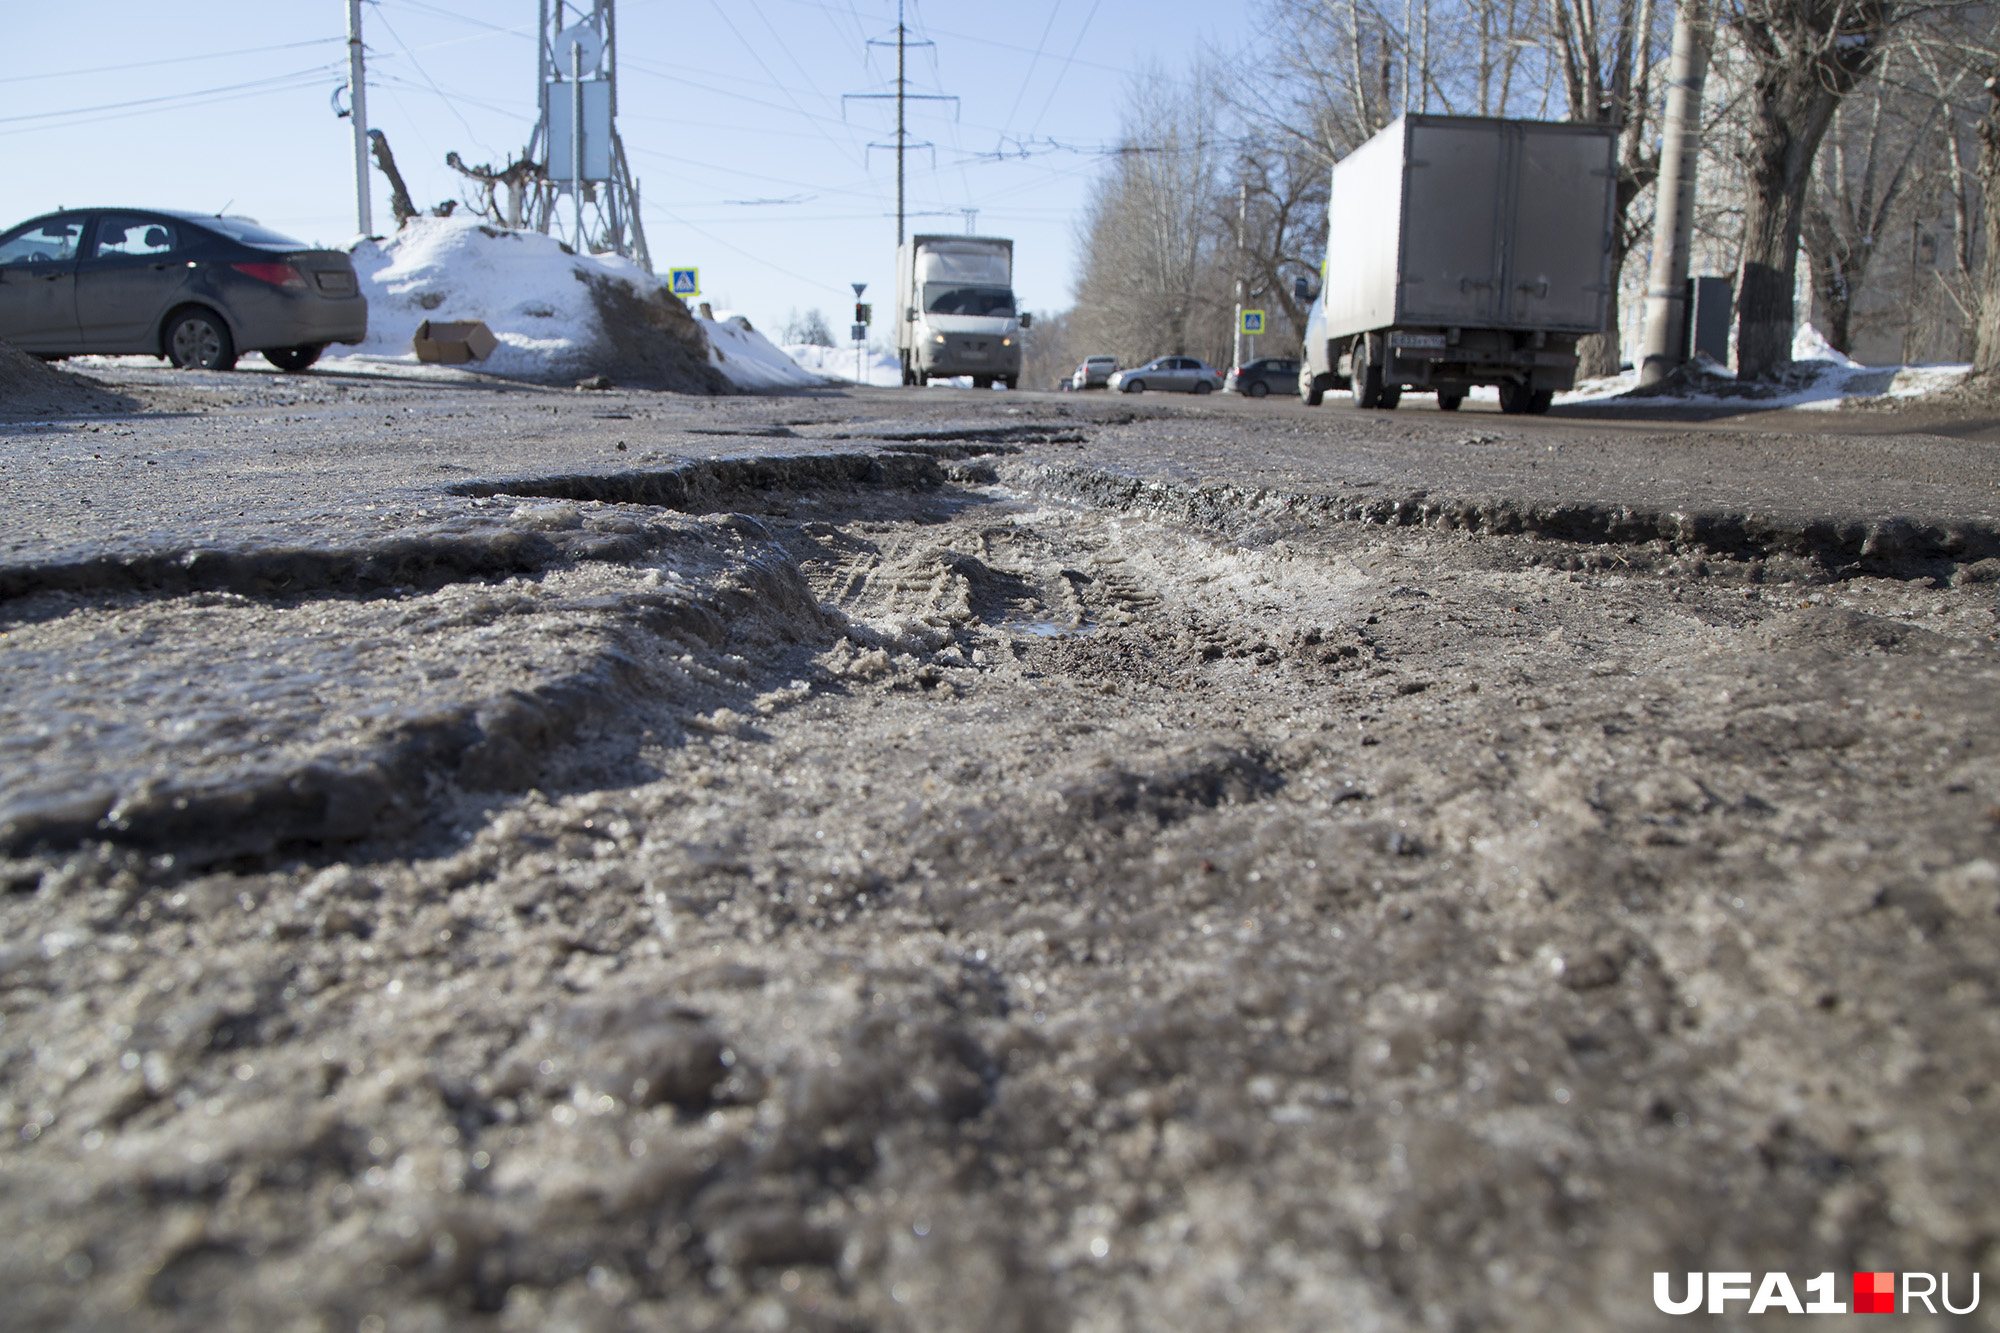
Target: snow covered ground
(1825, 379)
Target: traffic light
(864, 312)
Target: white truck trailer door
(1558, 278)
(1452, 251)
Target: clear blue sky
(731, 113)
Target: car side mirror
(1027, 320)
(910, 315)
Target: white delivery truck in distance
(1462, 251)
(955, 308)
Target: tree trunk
(1597, 354)
(1986, 343)
(1787, 121)
(1805, 55)
(1837, 274)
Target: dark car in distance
(1262, 376)
(196, 289)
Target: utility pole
(1673, 215)
(902, 96)
(1242, 220)
(357, 103)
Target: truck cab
(958, 315)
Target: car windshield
(945, 298)
(252, 233)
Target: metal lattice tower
(576, 143)
(901, 97)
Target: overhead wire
(173, 60)
(91, 115)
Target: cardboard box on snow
(454, 342)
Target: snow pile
(558, 316)
(1820, 378)
(749, 359)
(1809, 344)
(878, 365)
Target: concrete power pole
(1242, 221)
(1673, 215)
(357, 101)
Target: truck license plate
(1418, 340)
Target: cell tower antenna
(576, 147)
(901, 97)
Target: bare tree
(1607, 50)
(1804, 56)
(1861, 173)
(1149, 234)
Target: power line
(172, 60)
(194, 98)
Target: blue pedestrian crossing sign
(684, 281)
(1253, 321)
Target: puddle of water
(1047, 629)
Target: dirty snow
(1822, 379)
(749, 359)
(532, 294)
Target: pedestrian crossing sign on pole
(1253, 321)
(684, 281)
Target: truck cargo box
(1470, 222)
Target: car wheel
(1448, 402)
(1365, 384)
(1258, 389)
(197, 339)
(294, 359)
(1135, 386)
(1203, 386)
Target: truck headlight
(1006, 342)
(938, 338)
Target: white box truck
(1462, 251)
(955, 307)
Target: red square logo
(1874, 1293)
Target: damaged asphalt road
(940, 861)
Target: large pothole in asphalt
(956, 909)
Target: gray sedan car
(1174, 374)
(195, 289)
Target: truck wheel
(1514, 398)
(1365, 384)
(1538, 402)
(1448, 402)
(1391, 395)
(982, 381)
(1312, 388)
(1011, 381)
